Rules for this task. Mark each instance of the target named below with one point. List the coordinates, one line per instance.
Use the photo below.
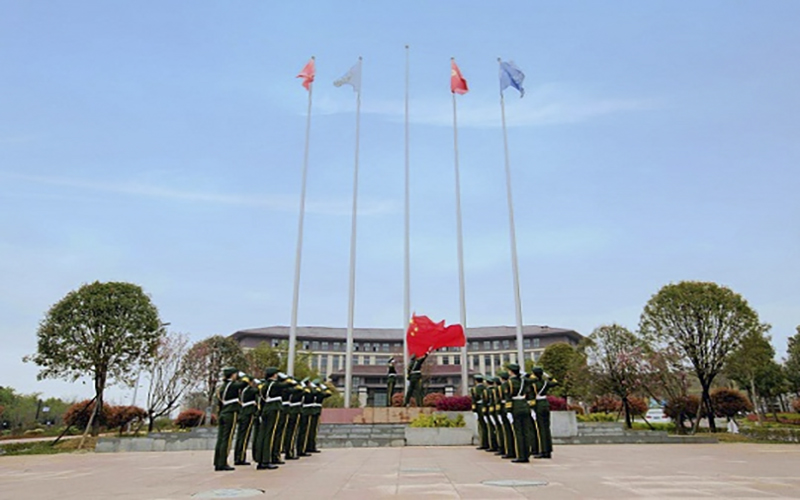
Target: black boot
(266, 466)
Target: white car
(656, 416)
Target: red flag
(307, 74)
(424, 335)
(458, 85)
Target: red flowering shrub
(454, 403)
(605, 404)
(729, 402)
(637, 406)
(681, 408)
(189, 418)
(556, 403)
(120, 416)
(78, 414)
(431, 399)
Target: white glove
(476, 416)
(533, 415)
(511, 418)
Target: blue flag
(511, 76)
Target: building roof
(396, 334)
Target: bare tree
(169, 378)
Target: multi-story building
(488, 349)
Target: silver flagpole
(296, 294)
(461, 293)
(513, 233)
(407, 253)
(348, 368)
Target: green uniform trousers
(266, 435)
(302, 433)
(524, 433)
(510, 447)
(280, 432)
(483, 431)
(244, 428)
(545, 439)
(224, 435)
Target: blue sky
(161, 143)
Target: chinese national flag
(307, 73)
(458, 85)
(424, 335)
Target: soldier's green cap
(514, 368)
(478, 376)
(317, 381)
(228, 371)
(503, 374)
(270, 371)
(537, 370)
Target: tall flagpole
(461, 292)
(348, 369)
(407, 253)
(298, 254)
(513, 233)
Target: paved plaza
(694, 471)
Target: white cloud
(281, 203)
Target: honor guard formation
(513, 413)
(279, 414)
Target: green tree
(792, 364)
(101, 330)
(265, 355)
(614, 356)
(707, 321)
(748, 365)
(562, 361)
(205, 360)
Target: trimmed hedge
(777, 434)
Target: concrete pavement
(734, 471)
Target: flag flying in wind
(511, 76)
(458, 85)
(424, 335)
(307, 74)
(352, 77)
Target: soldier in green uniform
(415, 379)
(321, 392)
(477, 392)
(244, 424)
(521, 390)
(391, 380)
(227, 409)
(305, 419)
(270, 396)
(509, 447)
(286, 383)
(257, 423)
(491, 423)
(542, 384)
(293, 422)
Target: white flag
(352, 77)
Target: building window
(337, 346)
(324, 346)
(445, 360)
(506, 344)
(535, 342)
(476, 362)
(367, 346)
(305, 345)
(315, 345)
(526, 343)
(385, 347)
(275, 342)
(496, 345)
(487, 361)
(506, 358)
(337, 360)
(323, 363)
(457, 359)
(537, 355)
(487, 345)
(356, 346)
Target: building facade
(488, 349)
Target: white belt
(518, 397)
(270, 400)
(286, 403)
(480, 401)
(416, 371)
(296, 404)
(229, 402)
(249, 403)
(541, 397)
